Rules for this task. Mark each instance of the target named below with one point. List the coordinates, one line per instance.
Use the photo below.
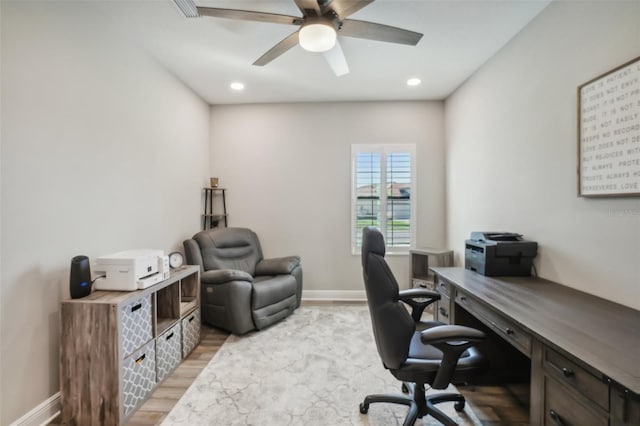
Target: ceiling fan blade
(248, 15)
(379, 32)
(188, 7)
(345, 8)
(277, 50)
(337, 61)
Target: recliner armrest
(221, 276)
(277, 265)
(194, 256)
(410, 297)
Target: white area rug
(314, 368)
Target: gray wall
(288, 170)
(99, 147)
(512, 149)
(101, 151)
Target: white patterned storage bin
(136, 324)
(138, 377)
(168, 354)
(190, 332)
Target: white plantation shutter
(383, 194)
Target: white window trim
(384, 149)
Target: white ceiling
(208, 54)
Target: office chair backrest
(392, 324)
(229, 248)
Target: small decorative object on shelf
(176, 259)
(214, 182)
(80, 277)
(209, 218)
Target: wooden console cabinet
(420, 260)
(116, 347)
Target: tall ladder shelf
(209, 218)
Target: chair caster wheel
(405, 389)
(364, 408)
(459, 406)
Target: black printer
(499, 253)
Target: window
(383, 194)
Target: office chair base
(419, 404)
(412, 416)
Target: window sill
(388, 253)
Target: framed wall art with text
(609, 133)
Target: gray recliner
(242, 291)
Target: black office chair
(415, 352)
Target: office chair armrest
(411, 296)
(277, 265)
(454, 335)
(221, 276)
(452, 340)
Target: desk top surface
(431, 251)
(601, 333)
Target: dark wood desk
(584, 351)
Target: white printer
(131, 270)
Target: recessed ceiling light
(236, 85)
(413, 82)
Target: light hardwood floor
(499, 405)
(494, 405)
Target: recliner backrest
(392, 324)
(229, 248)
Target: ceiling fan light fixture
(317, 37)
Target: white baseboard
(42, 414)
(335, 295)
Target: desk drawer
(625, 408)
(443, 286)
(420, 283)
(562, 406)
(505, 328)
(444, 305)
(577, 377)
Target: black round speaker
(80, 277)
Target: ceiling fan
(321, 22)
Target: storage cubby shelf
(118, 346)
